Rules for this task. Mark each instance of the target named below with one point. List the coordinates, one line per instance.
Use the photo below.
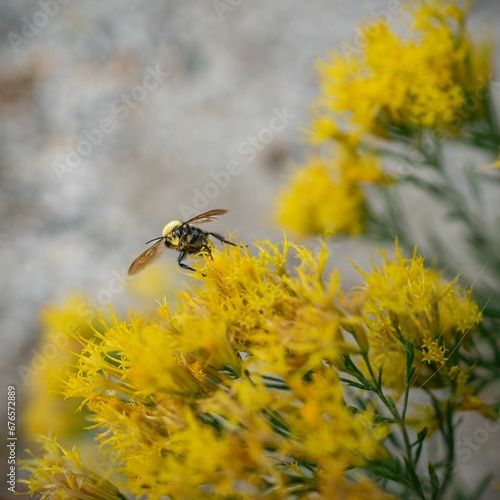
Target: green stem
(447, 431)
(391, 407)
(405, 401)
(449, 438)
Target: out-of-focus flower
(462, 397)
(326, 197)
(64, 329)
(432, 83)
(315, 202)
(60, 474)
(421, 82)
(47, 412)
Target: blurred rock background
(77, 204)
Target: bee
(183, 237)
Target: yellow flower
(316, 202)
(429, 13)
(224, 392)
(424, 416)
(470, 402)
(405, 301)
(246, 365)
(422, 81)
(464, 396)
(434, 353)
(326, 196)
(47, 412)
(61, 474)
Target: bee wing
(206, 216)
(151, 254)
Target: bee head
(170, 227)
(168, 232)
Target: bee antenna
(154, 239)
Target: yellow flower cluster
(326, 197)
(303, 206)
(47, 412)
(419, 82)
(238, 390)
(406, 301)
(385, 87)
(235, 390)
(62, 475)
(433, 351)
(54, 354)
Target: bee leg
(222, 240)
(206, 248)
(182, 255)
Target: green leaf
(382, 419)
(420, 440)
(388, 469)
(415, 481)
(421, 434)
(353, 370)
(393, 405)
(355, 384)
(434, 480)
